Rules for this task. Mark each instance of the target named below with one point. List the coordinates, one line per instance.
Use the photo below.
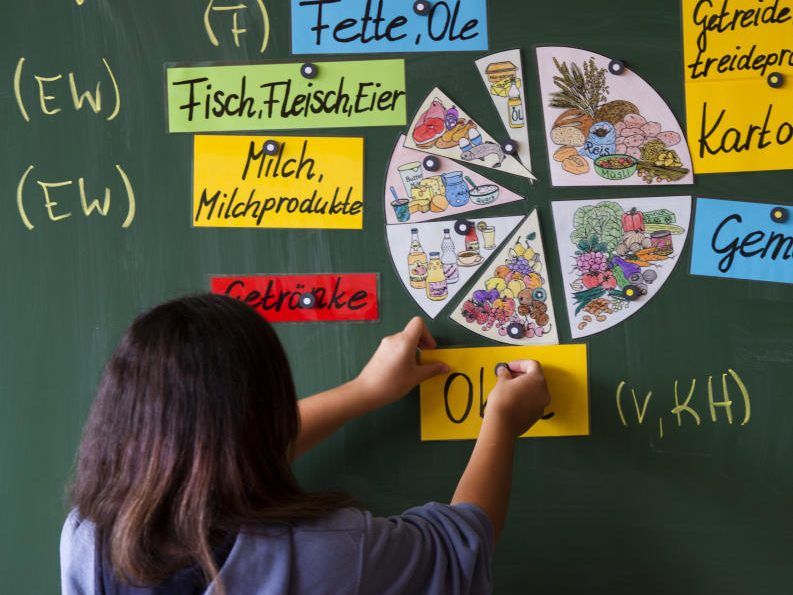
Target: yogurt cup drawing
(401, 209)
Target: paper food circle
(616, 254)
(493, 267)
(603, 128)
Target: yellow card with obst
(453, 404)
(278, 181)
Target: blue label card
(743, 240)
(377, 26)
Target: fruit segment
(511, 301)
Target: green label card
(340, 94)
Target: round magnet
(776, 80)
(539, 295)
(510, 147)
(631, 292)
(308, 300)
(431, 163)
(463, 226)
(501, 365)
(309, 70)
(422, 7)
(515, 330)
(779, 214)
(271, 147)
(616, 67)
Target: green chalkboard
(703, 509)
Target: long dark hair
(189, 439)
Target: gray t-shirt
(435, 549)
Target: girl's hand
(394, 369)
(514, 404)
(389, 375)
(519, 398)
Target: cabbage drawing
(602, 221)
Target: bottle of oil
(515, 107)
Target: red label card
(305, 298)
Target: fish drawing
(484, 150)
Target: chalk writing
(351, 26)
(276, 96)
(681, 405)
(54, 192)
(50, 88)
(237, 31)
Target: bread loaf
(568, 135)
(499, 71)
(615, 111)
(571, 128)
(564, 152)
(575, 117)
(575, 165)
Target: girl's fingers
(503, 372)
(427, 341)
(427, 371)
(419, 335)
(522, 366)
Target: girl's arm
(516, 402)
(391, 373)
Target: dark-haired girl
(184, 482)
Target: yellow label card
(278, 181)
(739, 84)
(453, 405)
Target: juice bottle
(417, 261)
(449, 258)
(437, 288)
(515, 108)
